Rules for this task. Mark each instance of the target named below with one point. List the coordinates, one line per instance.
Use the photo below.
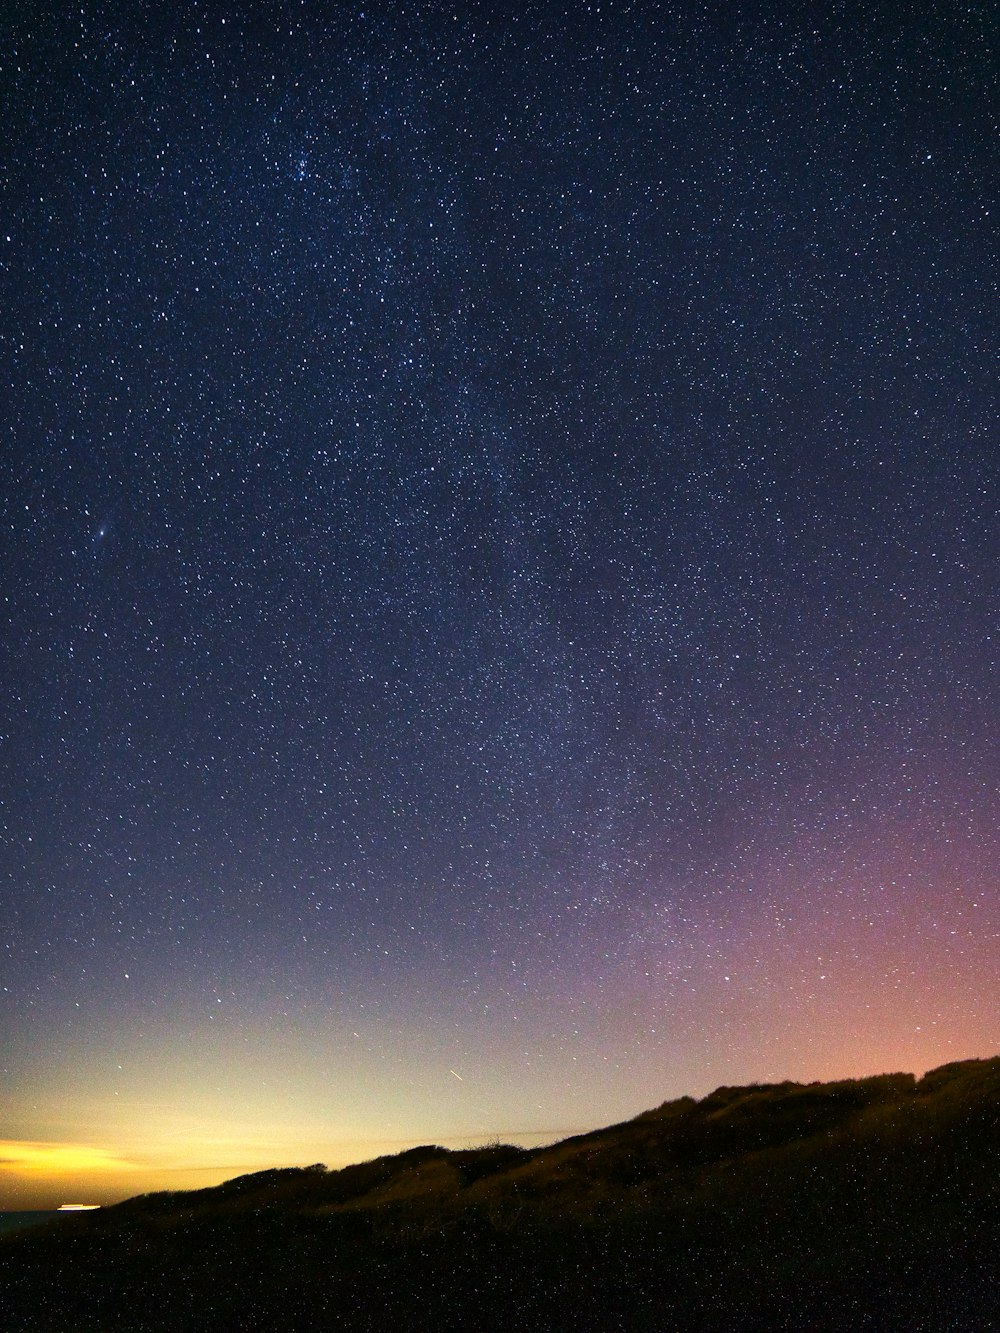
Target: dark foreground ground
(871, 1204)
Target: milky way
(499, 569)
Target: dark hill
(865, 1204)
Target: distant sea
(14, 1221)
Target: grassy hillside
(868, 1204)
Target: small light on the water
(77, 1207)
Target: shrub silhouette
(869, 1204)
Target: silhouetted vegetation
(868, 1204)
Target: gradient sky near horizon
(500, 535)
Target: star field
(500, 568)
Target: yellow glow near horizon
(42, 1160)
(37, 1173)
(44, 1174)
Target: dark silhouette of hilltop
(864, 1204)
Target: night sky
(499, 534)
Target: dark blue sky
(501, 533)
